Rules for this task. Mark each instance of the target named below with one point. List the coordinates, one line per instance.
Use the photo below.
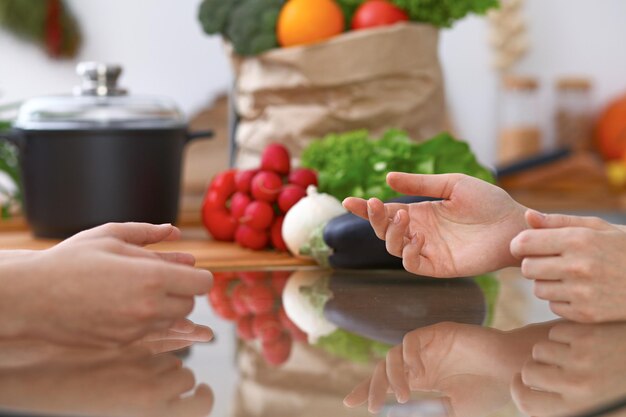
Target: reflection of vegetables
(352, 164)
(611, 130)
(351, 346)
(309, 213)
(304, 298)
(249, 24)
(490, 287)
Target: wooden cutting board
(209, 254)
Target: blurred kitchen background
(164, 51)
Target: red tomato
(375, 13)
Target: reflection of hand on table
(470, 366)
(127, 382)
(100, 287)
(578, 265)
(578, 367)
(468, 233)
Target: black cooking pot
(99, 156)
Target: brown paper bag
(374, 79)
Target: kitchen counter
(469, 362)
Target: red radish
(276, 158)
(243, 179)
(220, 224)
(276, 352)
(260, 299)
(222, 307)
(266, 327)
(219, 294)
(258, 215)
(224, 183)
(289, 196)
(266, 186)
(250, 238)
(223, 277)
(244, 328)
(214, 200)
(276, 234)
(240, 300)
(252, 277)
(303, 177)
(238, 204)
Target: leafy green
(348, 7)
(250, 25)
(490, 287)
(353, 347)
(443, 13)
(353, 164)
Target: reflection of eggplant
(355, 245)
(384, 306)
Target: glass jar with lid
(573, 124)
(519, 119)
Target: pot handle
(14, 137)
(207, 134)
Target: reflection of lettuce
(352, 347)
(354, 164)
(490, 287)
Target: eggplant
(354, 244)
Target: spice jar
(519, 133)
(573, 122)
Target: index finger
(183, 280)
(437, 186)
(358, 207)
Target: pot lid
(98, 103)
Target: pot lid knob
(99, 79)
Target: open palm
(468, 232)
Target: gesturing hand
(577, 263)
(101, 288)
(471, 366)
(467, 233)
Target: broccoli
(214, 15)
(252, 26)
(249, 24)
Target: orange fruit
(303, 22)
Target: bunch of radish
(249, 206)
(253, 301)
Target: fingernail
(165, 225)
(396, 218)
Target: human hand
(470, 366)
(105, 291)
(577, 263)
(577, 368)
(183, 333)
(467, 233)
(115, 382)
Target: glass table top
(338, 343)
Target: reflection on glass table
(313, 343)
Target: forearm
(14, 273)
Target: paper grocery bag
(374, 79)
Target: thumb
(537, 220)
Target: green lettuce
(355, 348)
(354, 164)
